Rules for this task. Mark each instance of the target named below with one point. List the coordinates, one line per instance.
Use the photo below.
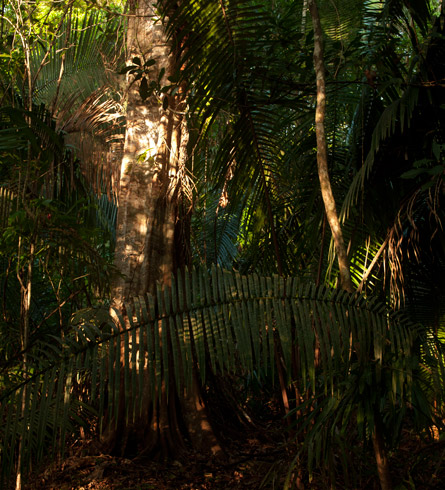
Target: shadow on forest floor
(252, 464)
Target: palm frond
(395, 117)
(75, 79)
(76, 63)
(219, 320)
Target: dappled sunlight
(172, 311)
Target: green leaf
(437, 170)
(144, 91)
(413, 173)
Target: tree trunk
(148, 210)
(322, 153)
(332, 217)
(381, 457)
(152, 237)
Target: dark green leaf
(144, 91)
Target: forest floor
(253, 463)
(245, 468)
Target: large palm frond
(217, 322)
(78, 61)
(76, 81)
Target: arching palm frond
(394, 118)
(392, 172)
(78, 61)
(74, 78)
(397, 84)
(248, 62)
(219, 323)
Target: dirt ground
(252, 463)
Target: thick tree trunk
(151, 240)
(148, 211)
(332, 217)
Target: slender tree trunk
(322, 153)
(152, 236)
(25, 279)
(381, 456)
(332, 217)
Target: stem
(322, 153)
(25, 290)
(332, 217)
(372, 264)
(380, 456)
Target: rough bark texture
(148, 208)
(151, 241)
(322, 153)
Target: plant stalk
(322, 153)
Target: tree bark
(147, 213)
(152, 240)
(322, 153)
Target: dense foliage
(343, 366)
